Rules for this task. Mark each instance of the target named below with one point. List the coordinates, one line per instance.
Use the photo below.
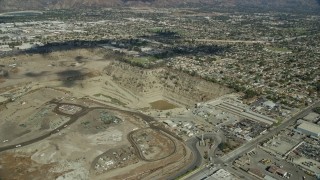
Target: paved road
(234, 154)
(140, 154)
(218, 138)
(250, 145)
(240, 173)
(205, 171)
(192, 143)
(73, 118)
(197, 157)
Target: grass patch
(155, 29)
(279, 121)
(142, 60)
(162, 105)
(189, 173)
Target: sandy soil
(86, 77)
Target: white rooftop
(267, 177)
(310, 127)
(222, 174)
(269, 104)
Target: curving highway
(73, 118)
(140, 154)
(191, 143)
(197, 157)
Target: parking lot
(261, 160)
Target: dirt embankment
(174, 85)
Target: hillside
(11, 5)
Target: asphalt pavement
(251, 144)
(191, 143)
(230, 157)
(197, 157)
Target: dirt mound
(173, 85)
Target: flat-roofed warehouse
(311, 117)
(309, 129)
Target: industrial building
(309, 129)
(222, 174)
(244, 112)
(312, 117)
(276, 170)
(170, 123)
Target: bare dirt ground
(16, 166)
(87, 72)
(87, 78)
(73, 153)
(153, 145)
(162, 83)
(29, 116)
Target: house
(269, 104)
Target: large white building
(309, 129)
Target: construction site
(89, 119)
(152, 145)
(95, 142)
